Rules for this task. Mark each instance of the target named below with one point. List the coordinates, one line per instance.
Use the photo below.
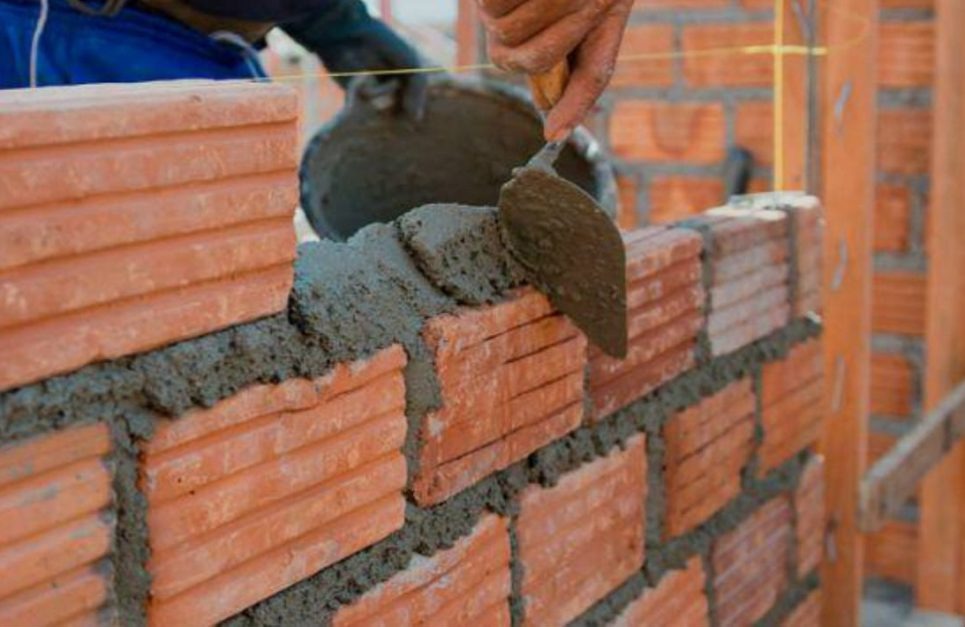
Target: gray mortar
(796, 593)
(607, 609)
(517, 604)
(462, 255)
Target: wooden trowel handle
(548, 87)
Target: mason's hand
(532, 36)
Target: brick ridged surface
(512, 381)
(893, 386)
(707, 447)
(716, 70)
(898, 303)
(468, 584)
(807, 614)
(665, 301)
(807, 230)
(679, 600)
(891, 553)
(751, 564)
(809, 509)
(647, 130)
(792, 402)
(272, 485)
(749, 295)
(582, 538)
(56, 536)
(132, 217)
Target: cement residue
(370, 167)
(607, 609)
(462, 254)
(794, 596)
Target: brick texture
(651, 72)
(707, 446)
(904, 141)
(805, 216)
(650, 130)
(809, 509)
(468, 584)
(891, 553)
(138, 216)
(679, 600)
(892, 209)
(906, 54)
(56, 531)
(733, 70)
(751, 564)
(582, 538)
(893, 387)
(679, 197)
(627, 188)
(306, 468)
(792, 400)
(749, 292)
(807, 614)
(898, 303)
(664, 313)
(512, 381)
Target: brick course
(679, 600)
(792, 402)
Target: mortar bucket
(368, 166)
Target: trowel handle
(548, 87)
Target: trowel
(570, 248)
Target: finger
(593, 66)
(541, 52)
(498, 8)
(529, 19)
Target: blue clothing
(132, 46)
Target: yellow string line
(778, 96)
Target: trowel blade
(571, 250)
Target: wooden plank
(941, 571)
(894, 478)
(848, 104)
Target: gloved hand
(532, 36)
(347, 39)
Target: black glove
(347, 39)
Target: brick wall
(390, 450)
(906, 67)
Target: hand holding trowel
(570, 248)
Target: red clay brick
(750, 564)
(892, 552)
(467, 584)
(668, 132)
(678, 197)
(898, 303)
(754, 130)
(165, 213)
(892, 208)
(754, 329)
(511, 378)
(807, 614)
(892, 385)
(906, 54)
(705, 68)
(54, 528)
(645, 72)
(582, 538)
(740, 264)
(677, 601)
(904, 141)
(735, 230)
(707, 447)
(627, 214)
(792, 404)
(307, 468)
(767, 299)
(757, 281)
(809, 508)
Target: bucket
(369, 166)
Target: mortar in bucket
(368, 166)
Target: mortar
(367, 166)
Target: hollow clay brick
(893, 387)
(511, 377)
(906, 54)
(465, 585)
(679, 197)
(727, 70)
(311, 468)
(892, 552)
(809, 508)
(898, 302)
(583, 537)
(904, 140)
(679, 600)
(807, 613)
(133, 217)
(707, 446)
(792, 401)
(56, 529)
(645, 39)
(647, 130)
(751, 564)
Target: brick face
(512, 381)
(467, 584)
(56, 536)
(792, 400)
(898, 303)
(680, 197)
(664, 313)
(164, 211)
(892, 385)
(707, 446)
(892, 552)
(892, 209)
(750, 564)
(807, 614)
(728, 68)
(668, 132)
(754, 130)
(582, 538)
(807, 225)
(627, 188)
(906, 54)
(904, 141)
(678, 600)
(809, 509)
(308, 467)
(653, 72)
